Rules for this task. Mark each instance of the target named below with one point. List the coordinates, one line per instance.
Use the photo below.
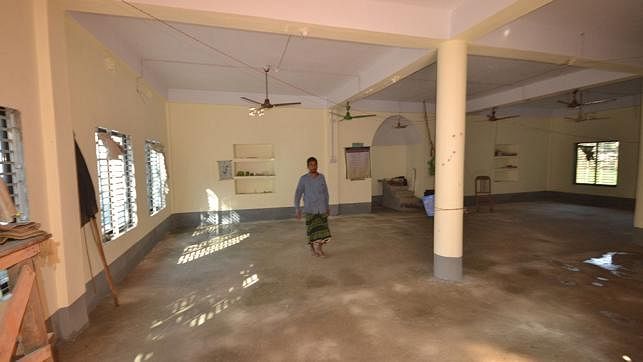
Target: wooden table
(22, 314)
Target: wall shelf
(253, 159)
(506, 163)
(253, 177)
(258, 160)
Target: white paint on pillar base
(638, 212)
(450, 140)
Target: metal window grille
(116, 186)
(597, 163)
(156, 177)
(11, 160)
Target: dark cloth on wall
(86, 192)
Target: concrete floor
(256, 294)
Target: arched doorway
(397, 150)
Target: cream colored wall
(18, 71)
(623, 126)
(362, 130)
(35, 81)
(59, 89)
(19, 74)
(108, 98)
(531, 136)
(418, 169)
(387, 162)
(201, 135)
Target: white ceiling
(174, 63)
(303, 65)
(626, 92)
(484, 75)
(617, 19)
(597, 29)
(436, 4)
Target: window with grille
(11, 160)
(597, 163)
(116, 184)
(156, 176)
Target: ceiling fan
(576, 102)
(266, 103)
(348, 116)
(399, 125)
(582, 116)
(491, 117)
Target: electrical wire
(303, 90)
(221, 52)
(283, 53)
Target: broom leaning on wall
(88, 210)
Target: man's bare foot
(320, 251)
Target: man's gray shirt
(315, 193)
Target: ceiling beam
(490, 51)
(234, 98)
(561, 84)
(473, 18)
(386, 71)
(251, 22)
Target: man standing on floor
(312, 186)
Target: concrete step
(410, 199)
(404, 193)
(394, 188)
(400, 198)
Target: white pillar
(638, 212)
(449, 162)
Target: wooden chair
(483, 192)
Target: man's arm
(299, 192)
(326, 198)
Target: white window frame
(156, 176)
(12, 161)
(116, 187)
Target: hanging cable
(283, 53)
(218, 51)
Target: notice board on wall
(358, 163)
(225, 170)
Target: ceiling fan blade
(338, 115)
(599, 101)
(250, 100)
(574, 119)
(286, 104)
(565, 103)
(507, 117)
(364, 115)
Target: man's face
(312, 166)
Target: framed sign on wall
(358, 163)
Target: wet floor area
(543, 282)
